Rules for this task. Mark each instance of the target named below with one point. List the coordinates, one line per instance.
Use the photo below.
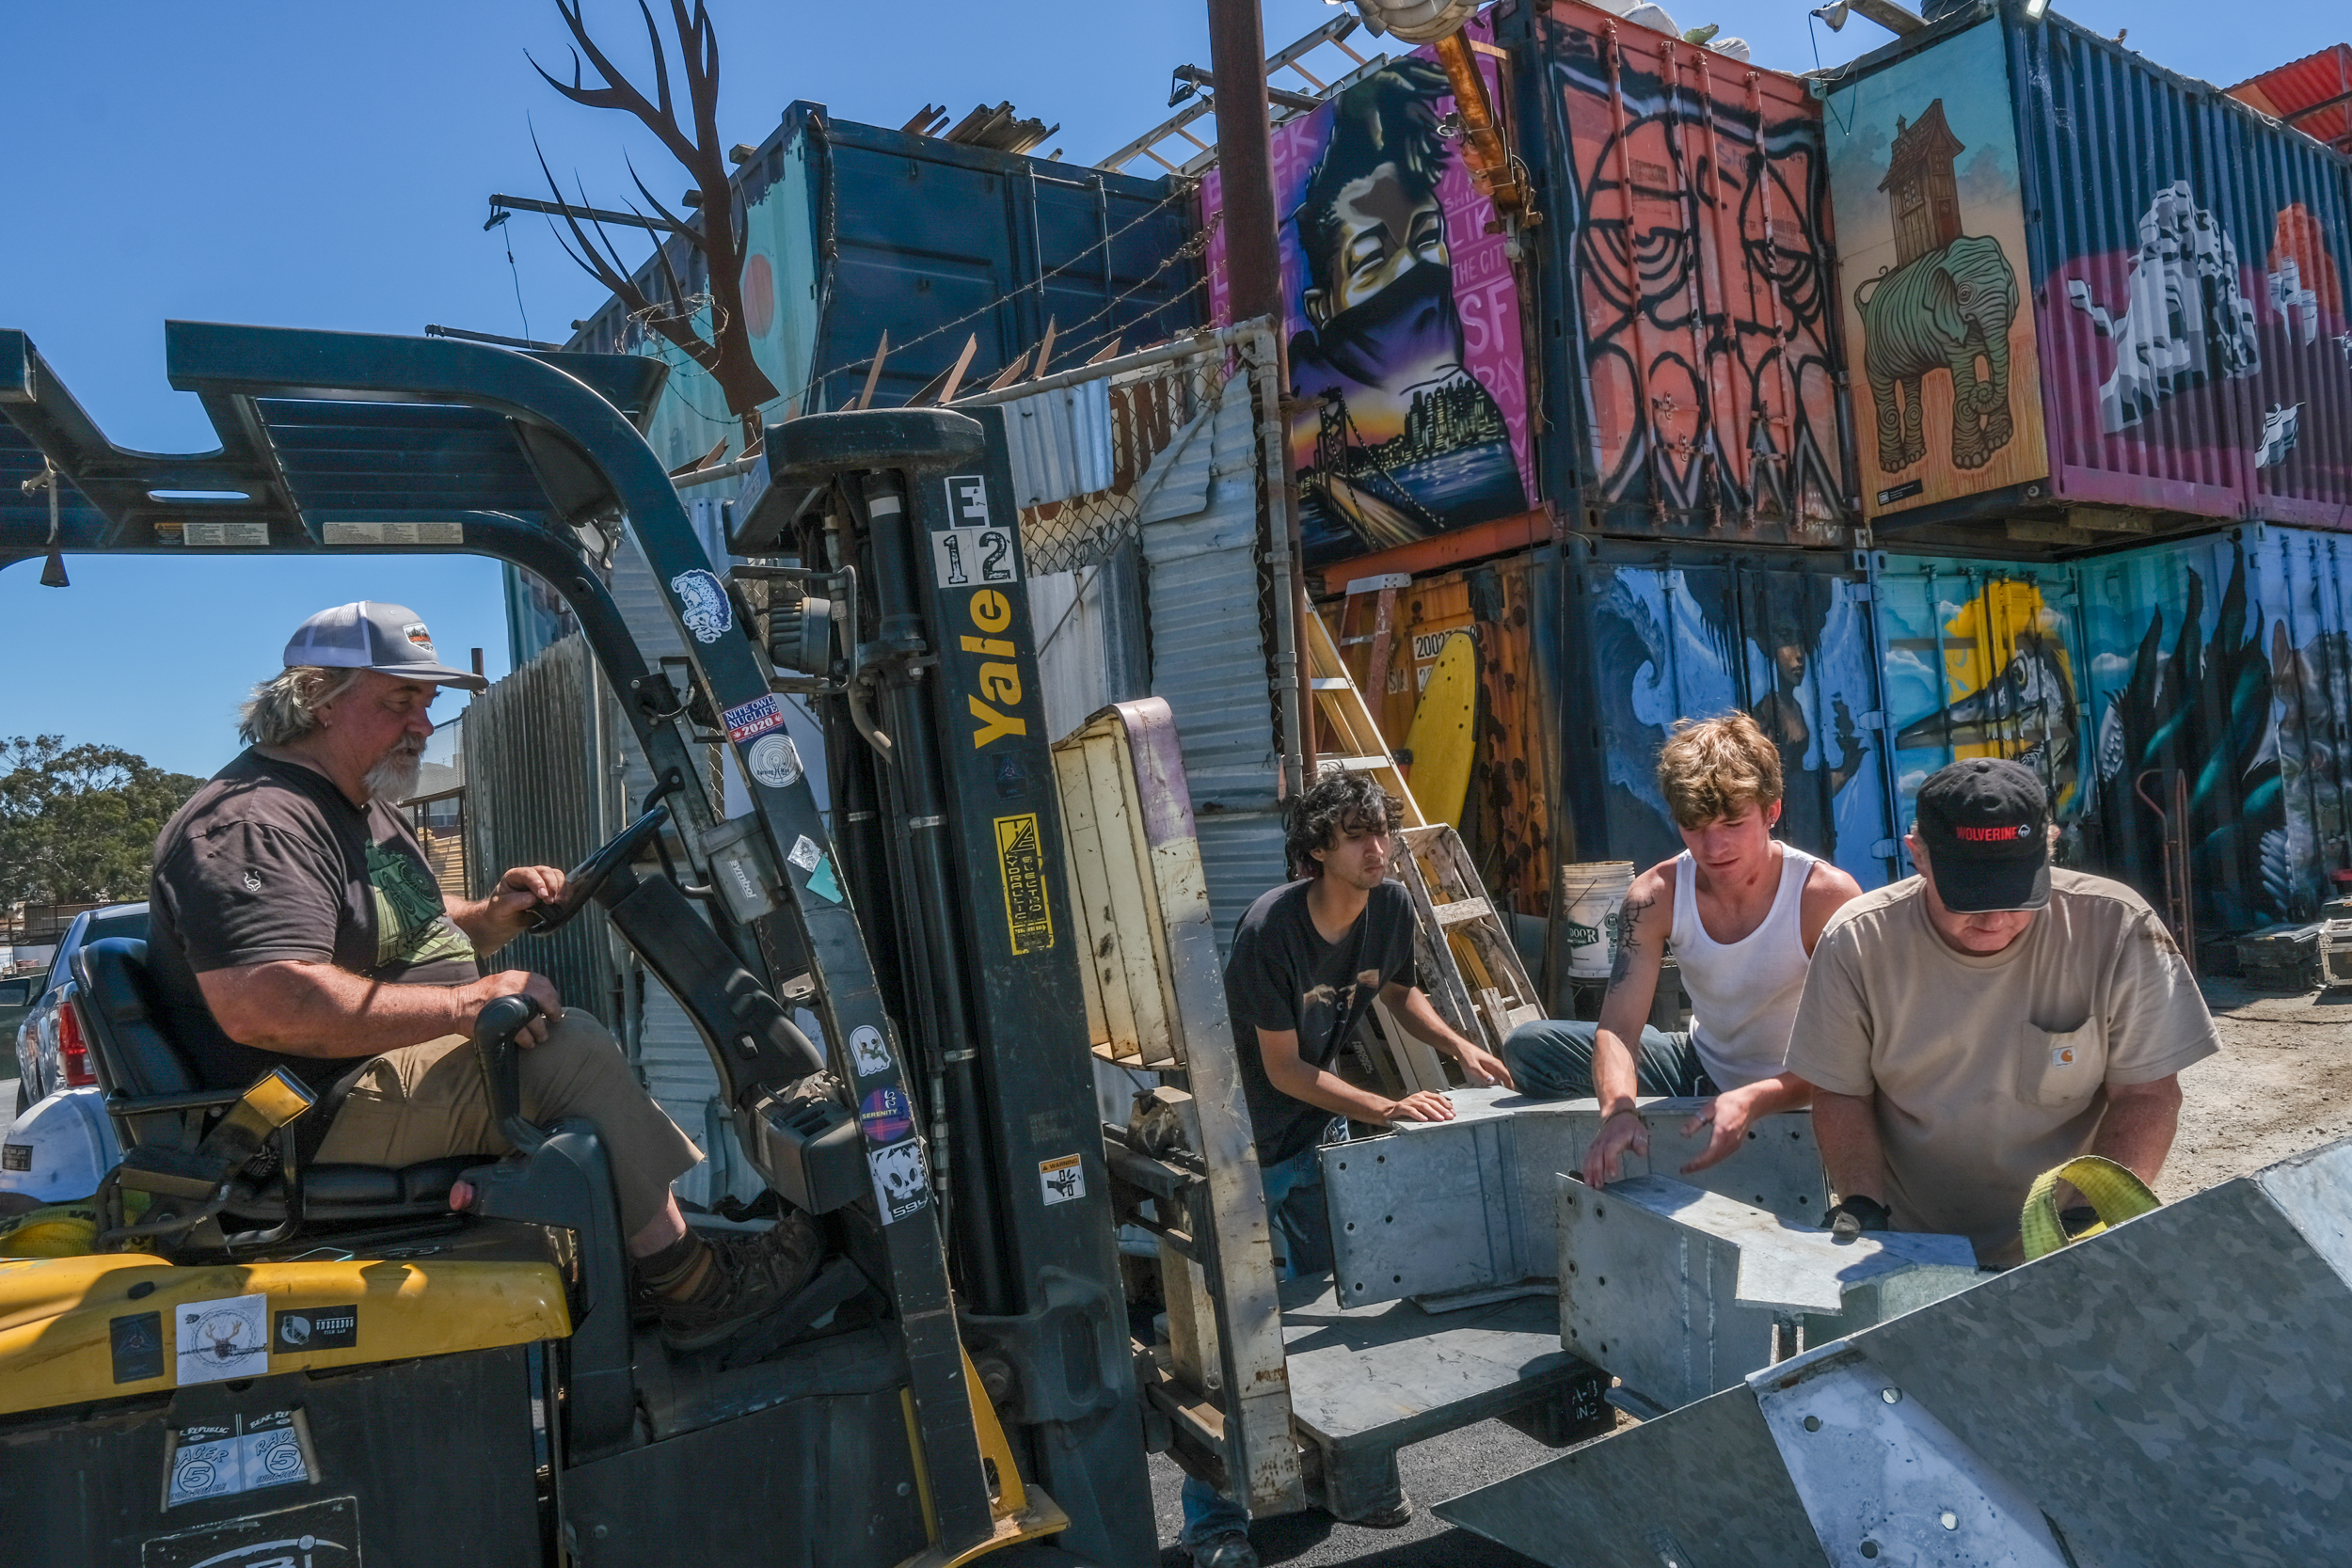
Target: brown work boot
(733, 1278)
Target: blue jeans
(1551, 1059)
(1301, 1224)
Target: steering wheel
(581, 882)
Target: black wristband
(1855, 1215)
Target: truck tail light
(74, 1047)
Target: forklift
(271, 1361)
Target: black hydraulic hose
(915, 780)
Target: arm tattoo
(1627, 918)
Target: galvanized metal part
(1472, 1204)
(1682, 1292)
(2176, 1391)
(1882, 1479)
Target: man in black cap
(296, 924)
(1984, 1021)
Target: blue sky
(327, 165)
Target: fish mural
(2010, 677)
(2228, 658)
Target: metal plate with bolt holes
(1883, 1480)
(1661, 1284)
(1704, 1488)
(1442, 1208)
(2176, 1392)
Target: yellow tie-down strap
(105, 1325)
(2110, 1189)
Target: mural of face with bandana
(1400, 440)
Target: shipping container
(2223, 656)
(2078, 284)
(1583, 676)
(1689, 330)
(853, 231)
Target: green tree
(78, 823)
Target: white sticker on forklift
(901, 1186)
(974, 557)
(867, 1051)
(224, 1339)
(1061, 1180)
(246, 1455)
(774, 761)
(804, 853)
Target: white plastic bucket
(1592, 898)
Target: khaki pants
(426, 1102)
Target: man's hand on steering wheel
(507, 910)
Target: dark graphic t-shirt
(1283, 975)
(269, 862)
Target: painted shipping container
(2072, 279)
(2225, 656)
(1689, 325)
(1403, 311)
(1581, 681)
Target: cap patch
(416, 635)
(1993, 835)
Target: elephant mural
(1943, 311)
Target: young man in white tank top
(1742, 911)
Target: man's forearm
(1783, 1092)
(1327, 1091)
(2136, 1133)
(1847, 1128)
(315, 1009)
(486, 926)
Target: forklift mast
(930, 935)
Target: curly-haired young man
(1742, 911)
(1308, 961)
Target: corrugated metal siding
(1091, 638)
(2296, 87)
(1208, 654)
(1059, 443)
(531, 762)
(1689, 274)
(2169, 206)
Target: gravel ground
(2281, 1083)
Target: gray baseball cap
(387, 638)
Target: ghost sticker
(901, 1186)
(703, 605)
(867, 1051)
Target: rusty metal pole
(1253, 275)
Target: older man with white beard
(294, 923)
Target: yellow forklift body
(71, 1328)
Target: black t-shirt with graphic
(1283, 975)
(270, 861)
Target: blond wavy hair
(1711, 768)
(284, 708)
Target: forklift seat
(155, 1097)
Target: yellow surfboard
(1443, 739)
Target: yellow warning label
(1028, 915)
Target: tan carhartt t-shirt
(1990, 1070)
